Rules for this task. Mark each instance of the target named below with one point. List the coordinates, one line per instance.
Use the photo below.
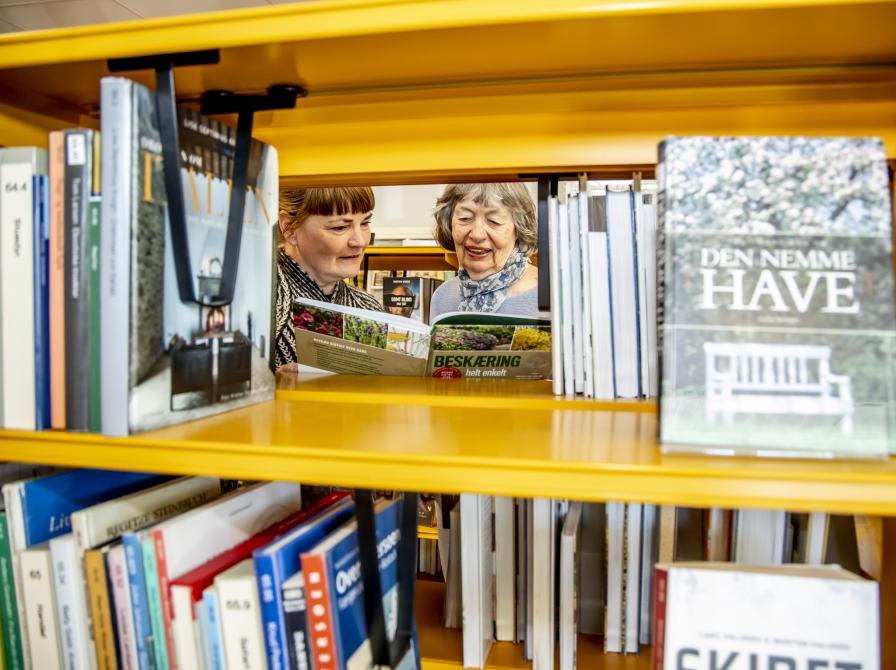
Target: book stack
(603, 290)
(128, 570)
(88, 254)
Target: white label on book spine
(75, 149)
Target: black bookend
(214, 102)
(383, 652)
(547, 186)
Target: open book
(349, 340)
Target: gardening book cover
(777, 332)
(349, 340)
(165, 360)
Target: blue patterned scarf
(487, 295)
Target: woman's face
(484, 236)
(331, 248)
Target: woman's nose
(477, 231)
(356, 239)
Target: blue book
(216, 644)
(42, 301)
(280, 559)
(133, 556)
(47, 503)
(334, 594)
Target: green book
(154, 599)
(12, 639)
(94, 205)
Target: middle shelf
(475, 436)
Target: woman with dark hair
(323, 233)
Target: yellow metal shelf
(402, 89)
(497, 438)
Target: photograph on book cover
(779, 328)
(205, 358)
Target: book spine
(71, 610)
(124, 624)
(94, 321)
(243, 645)
(40, 608)
(77, 174)
(661, 580)
(320, 612)
(41, 304)
(154, 602)
(13, 499)
(164, 591)
(183, 627)
(57, 279)
(139, 611)
(116, 127)
(212, 606)
(17, 286)
(12, 640)
(274, 636)
(295, 614)
(100, 610)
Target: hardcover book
(409, 296)
(777, 327)
(787, 616)
(164, 360)
(349, 340)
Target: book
(40, 607)
(56, 345)
(778, 327)
(18, 167)
(164, 360)
(544, 551)
(409, 296)
(570, 536)
(41, 246)
(102, 617)
(476, 541)
(237, 589)
(295, 621)
(789, 616)
(458, 344)
(334, 592)
(280, 559)
(505, 571)
(188, 589)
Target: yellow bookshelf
(412, 91)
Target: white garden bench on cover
(746, 377)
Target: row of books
(603, 291)
(97, 333)
(104, 569)
(539, 572)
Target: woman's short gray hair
(512, 195)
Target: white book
(759, 536)
(613, 633)
(121, 604)
(787, 616)
(569, 578)
(476, 577)
(241, 617)
(585, 262)
(623, 286)
(566, 301)
(648, 217)
(188, 540)
(116, 127)
(40, 607)
(817, 537)
(632, 588)
(544, 560)
(556, 306)
(18, 166)
(71, 603)
(648, 561)
(505, 573)
(575, 283)
(452, 613)
(601, 301)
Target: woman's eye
(339, 229)
(494, 222)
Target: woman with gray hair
(493, 230)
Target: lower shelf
(442, 648)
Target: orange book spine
(57, 279)
(320, 614)
(165, 591)
(100, 609)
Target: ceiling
(16, 15)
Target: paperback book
(778, 328)
(349, 340)
(166, 360)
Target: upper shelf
(404, 90)
(486, 436)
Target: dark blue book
(277, 561)
(41, 301)
(334, 593)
